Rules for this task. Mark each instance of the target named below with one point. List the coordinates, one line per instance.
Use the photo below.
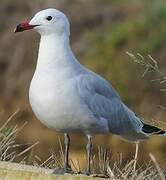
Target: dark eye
(49, 18)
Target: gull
(69, 98)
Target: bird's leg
(89, 154)
(136, 154)
(67, 167)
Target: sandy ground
(15, 171)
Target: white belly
(58, 106)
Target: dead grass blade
(157, 166)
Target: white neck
(54, 51)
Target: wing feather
(104, 102)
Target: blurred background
(101, 33)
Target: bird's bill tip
(23, 27)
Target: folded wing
(105, 103)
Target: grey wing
(104, 102)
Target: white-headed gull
(68, 97)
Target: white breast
(56, 104)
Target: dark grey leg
(66, 155)
(67, 167)
(89, 154)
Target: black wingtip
(149, 129)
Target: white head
(48, 21)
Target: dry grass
(104, 167)
(9, 149)
(150, 65)
(102, 164)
